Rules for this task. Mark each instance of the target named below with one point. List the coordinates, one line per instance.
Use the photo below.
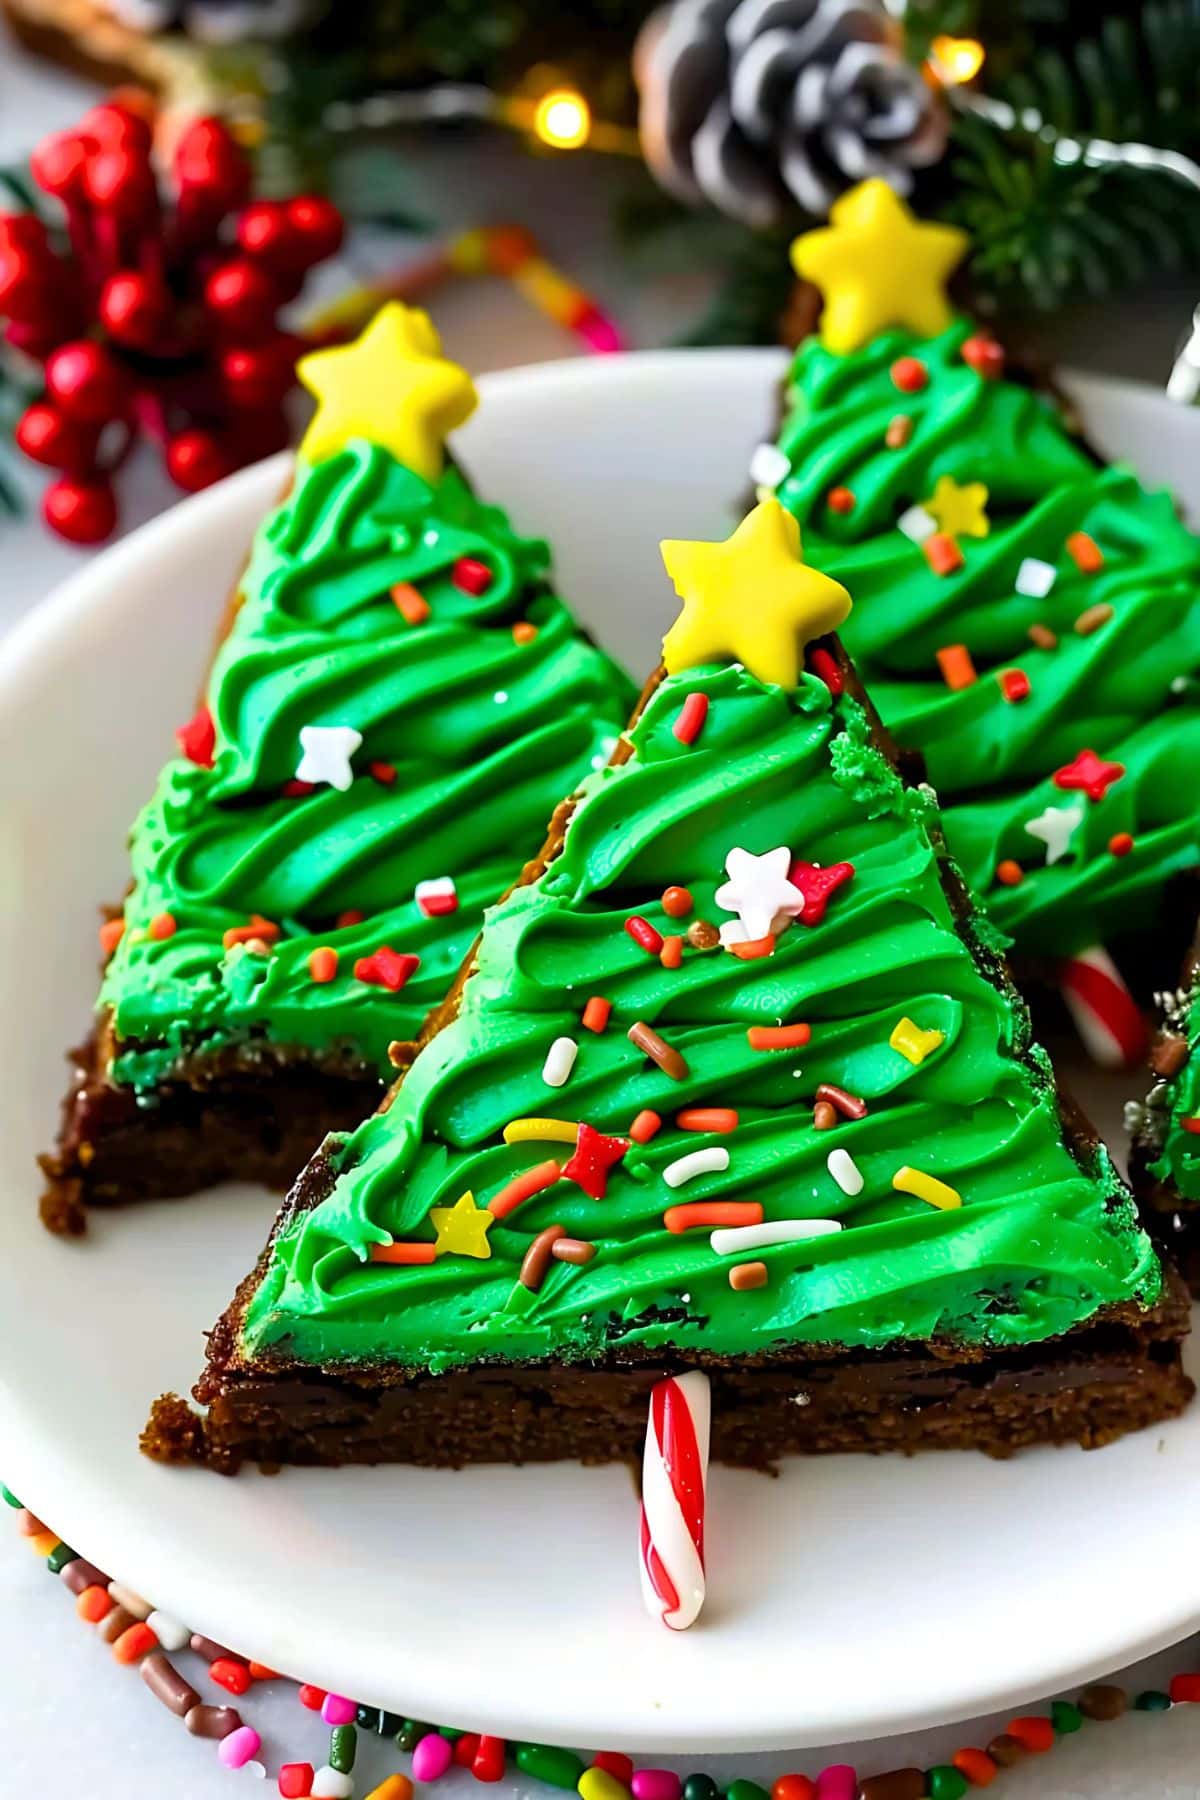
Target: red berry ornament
(209, 162)
(318, 225)
(22, 231)
(47, 436)
(83, 512)
(264, 231)
(58, 164)
(87, 383)
(242, 298)
(196, 458)
(120, 181)
(116, 127)
(134, 308)
(257, 378)
(24, 290)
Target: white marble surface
(76, 1722)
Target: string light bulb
(956, 60)
(562, 119)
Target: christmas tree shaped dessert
(732, 1083)
(399, 700)
(1024, 616)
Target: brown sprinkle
(1102, 1701)
(210, 1650)
(572, 1250)
(114, 1623)
(537, 1258)
(658, 1050)
(168, 1685)
(1006, 1750)
(824, 1116)
(1166, 1059)
(897, 1784)
(849, 1105)
(703, 936)
(212, 1721)
(1043, 637)
(744, 1276)
(1093, 617)
(399, 1053)
(899, 430)
(79, 1574)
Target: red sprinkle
(234, 1676)
(471, 575)
(978, 1767)
(257, 927)
(488, 1764)
(690, 720)
(594, 1155)
(523, 1187)
(1088, 773)
(351, 916)
(1009, 873)
(383, 772)
(312, 1697)
(162, 925)
(707, 1118)
(942, 553)
(596, 1013)
(295, 788)
(1035, 1733)
(671, 954)
(909, 375)
(1184, 1688)
(645, 1126)
(295, 1780)
(984, 355)
(111, 933)
(840, 500)
(677, 902)
(1120, 843)
(386, 968)
(778, 1037)
(1192, 1125)
(323, 963)
(793, 1787)
(614, 1762)
(643, 934)
(1014, 685)
(818, 886)
(712, 1212)
(198, 739)
(465, 1748)
(822, 665)
(405, 1254)
(1085, 552)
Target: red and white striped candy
(436, 898)
(1104, 1012)
(674, 1474)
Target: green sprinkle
(10, 1499)
(1153, 1700)
(746, 1790)
(560, 1768)
(410, 1734)
(343, 1742)
(59, 1557)
(451, 1733)
(945, 1782)
(700, 1787)
(1064, 1717)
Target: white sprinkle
(802, 1399)
(917, 524)
(735, 1238)
(325, 754)
(169, 1632)
(328, 1784)
(845, 1171)
(255, 1768)
(733, 932)
(500, 697)
(768, 466)
(430, 536)
(1035, 577)
(560, 1060)
(133, 1603)
(697, 1162)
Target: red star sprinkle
(198, 739)
(817, 885)
(386, 968)
(593, 1157)
(1090, 774)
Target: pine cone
(755, 105)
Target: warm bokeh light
(956, 60)
(563, 119)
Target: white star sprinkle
(758, 890)
(1056, 827)
(1035, 578)
(327, 750)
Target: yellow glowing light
(563, 119)
(956, 60)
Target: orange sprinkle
(523, 632)
(523, 1187)
(29, 1525)
(677, 902)
(162, 925)
(713, 1212)
(257, 928)
(754, 947)
(1009, 873)
(1120, 843)
(707, 1118)
(135, 1642)
(405, 1254)
(778, 1037)
(840, 500)
(350, 917)
(411, 603)
(596, 1013)
(671, 954)
(1085, 552)
(111, 933)
(260, 1672)
(44, 1542)
(323, 963)
(942, 553)
(645, 1126)
(1034, 1732)
(383, 772)
(745, 1276)
(976, 1765)
(958, 671)
(93, 1605)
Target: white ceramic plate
(851, 1598)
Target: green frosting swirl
(484, 734)
(1038, 1244)
(1127, 690)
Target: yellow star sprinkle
(926, 1187)
(914, 1043)
(959, 510)
(393, 387)
(462, 1229)
(750, 599)
(877, 266)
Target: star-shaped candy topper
(462, 1229)
(393, 387)
(960, 510)
(325, 754)
(750, 599)
(877, 266)
(758, 889)
(1056, 826)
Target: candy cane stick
(1104, 1012)
(674, 1473)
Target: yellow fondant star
(462, 1229)
(751, 599)
(877, 265)
(959, 511)
(393, 387)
